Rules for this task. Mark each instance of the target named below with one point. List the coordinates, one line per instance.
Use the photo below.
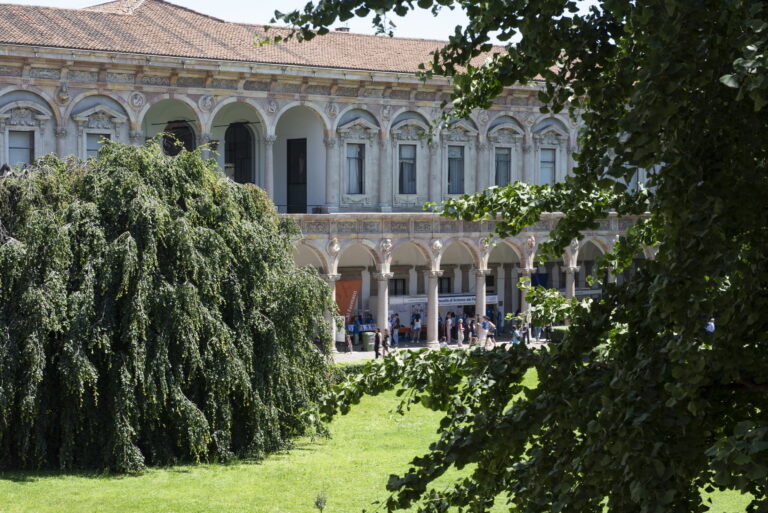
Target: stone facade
(346, 153)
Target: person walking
(525, 334)
(395, 331)
(460, 332)
(377, 344)
(515, 336)
(472, 326)
(385, 343)
(448, 326)
(489, 329)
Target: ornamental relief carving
(550, 137)
(457, 134)
(408, 133)
(99, 120)
(22, 117)
(505, 135)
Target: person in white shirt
(448, 326)
(417, 329)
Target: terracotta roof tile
(156, 27)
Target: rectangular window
(93, 142)
(547, 167)
(490, 281)
(455, 169)
(397, 287)
(355, 168)
(21, 148)
(444, 285)
(503, 166)
(407, 169)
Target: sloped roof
(157, 27)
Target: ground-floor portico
(422, 263)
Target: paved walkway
(358, 356)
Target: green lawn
(352, 468)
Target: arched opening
(179, 135)
(588, 257)
(457, 285)
(238, 153)
(407, 290)
(305, 257)
(238, 126)
(503, 263)
(299, 161)
(357, 283)
(176, 119)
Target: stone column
(365, 288)
(501, 280)
(205, 151)
(433, 337)
(331, 175)
(413, 281)
(528, 166)
(482, 171)
(269, 167)
(331, 280)
(525, 272)
(570, 282)
(480, 275)
(61, 135)
(382, 300)
(385, 173)
(457, 280)
(435, 171)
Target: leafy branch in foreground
(671, 93)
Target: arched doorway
(299, 161)
(179, 136)
(177, 120)
(238, 153)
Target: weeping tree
(639, 409)
(150, 313)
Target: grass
(351, 469)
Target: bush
(150, 313)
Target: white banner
(444, 299)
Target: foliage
(674, 88)
(150, 312)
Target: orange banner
(347, 293)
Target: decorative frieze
(422, 226)
(287, 87)
(120, 78)
(425, 96)
(77, 75)
(346, 91)
(318, 89)
(190, 82)
(346, 227)
(10, 71)
(224, 83)
(256, 85)
(400, 94)
(49, 73)
(399, 226)
(156, 80)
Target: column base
(433, 344)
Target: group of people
(466, 329)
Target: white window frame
(464, 155)
(415, 168)
(85, 126)
(555, 174)
(357, 131)
(511, 149)
(363, 163)
(405, 132)
(39, 119)
(508, 135)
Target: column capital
(60, 132)
(330, 142)
(571, 269)
(433, 273)
(383, 276)
(270, 139)
(330, 277)
(482, 272)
